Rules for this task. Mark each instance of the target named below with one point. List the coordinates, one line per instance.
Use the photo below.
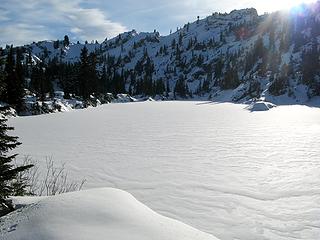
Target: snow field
(217, 167)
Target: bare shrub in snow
(49, 181)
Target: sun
(274, 5)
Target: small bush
(49, 181)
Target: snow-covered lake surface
(217, 167)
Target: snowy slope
(94, 214)
(218, 167)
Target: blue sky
(25, 21)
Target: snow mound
(104, 213)
(261, 106)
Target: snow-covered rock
(62, 105)
(104, 213)
(123, 98)
(59, 94)
(30, 98)
(261, 106)
(150, 99)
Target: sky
(22, 22)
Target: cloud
(32, 20)
(4, 14)
(19, 33)
(147, 15)
(25, 21)
(92, 24)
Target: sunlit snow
(218, 167)
(93, 214)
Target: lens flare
(274, 5)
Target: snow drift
(104, 213)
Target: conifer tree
(167, 87)
(310, 65)
(14, 80)
(40, 81)
(103, 81)
(84, 74)
(9, 182)
(231, 79)
(2, 83)
(181, 88)
(56, 44)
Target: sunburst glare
(274, 5)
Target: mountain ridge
(238, 57)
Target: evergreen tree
(88, 79)
(41, 80)
(159, 87)
(14, 80)
(310, 65)
(231, 79)
(279, 85)
(3, 86)
(103, 81)
(180, 39)
(181, 88)
(93, 76)
(173, 43)
(206, 84)
(10, 184)
(167, 87)
(218, 68)
(56, 44)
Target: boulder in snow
(150, 99)
(123, 98)
(261, 106)
(59, 94)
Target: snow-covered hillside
(235, 57)
(220, 168)
(93, 214)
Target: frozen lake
(218, 167)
